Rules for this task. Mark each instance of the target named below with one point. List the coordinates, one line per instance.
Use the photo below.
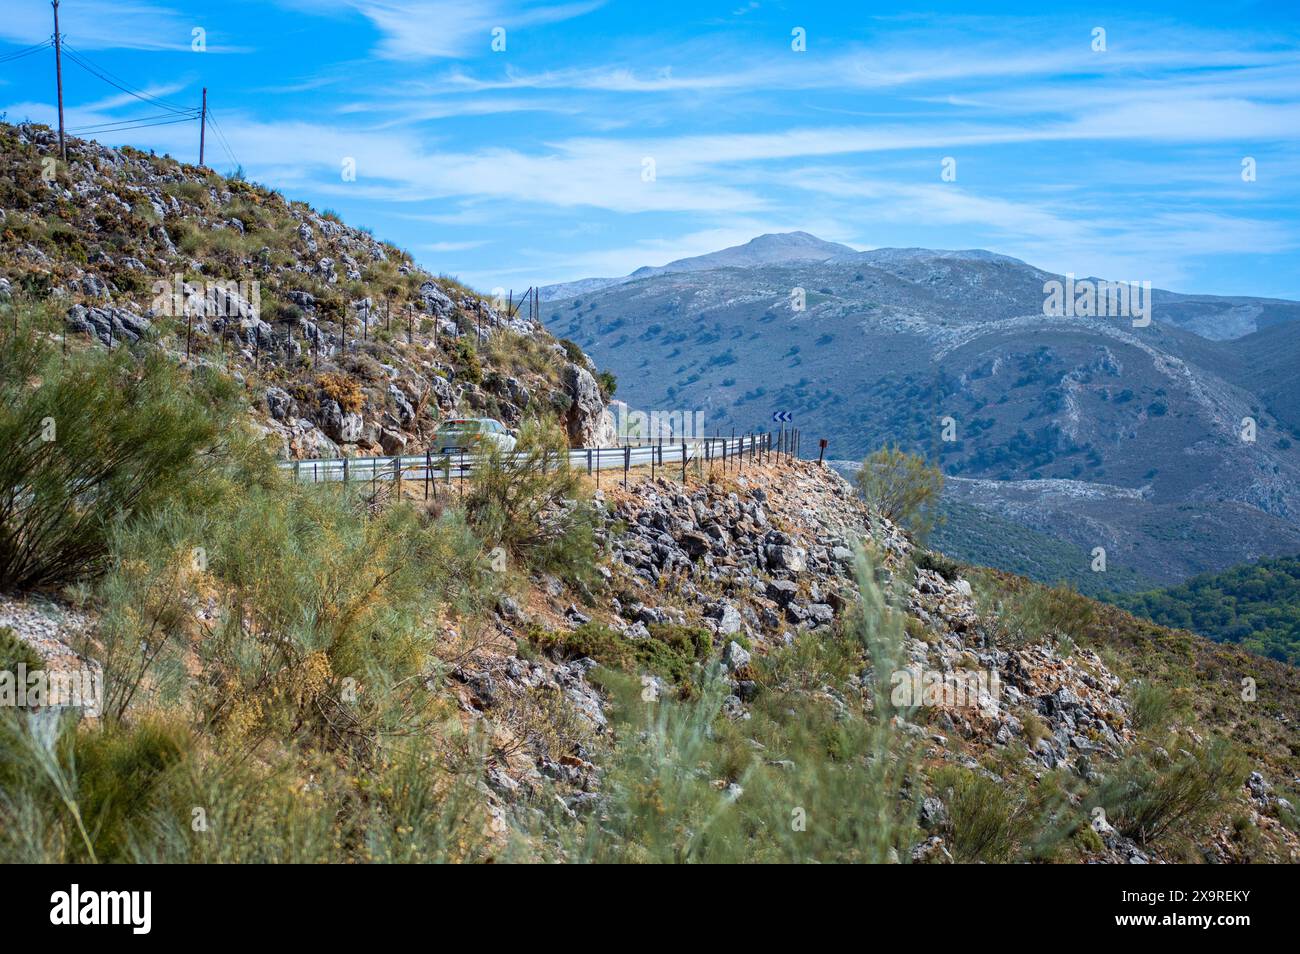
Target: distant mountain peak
(768, 249)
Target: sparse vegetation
(334, 673)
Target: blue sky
(528, 165)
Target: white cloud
(413, 30)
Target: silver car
(468, 434)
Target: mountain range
(1172, 446)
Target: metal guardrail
(445, 468)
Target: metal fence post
(627, 462)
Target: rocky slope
(757, 559)
(345, 345)
(743, 566)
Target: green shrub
(119, 772)
(901, 487)
(317, 599)
(14, 651)
(983, 824)
(467, 359)
(947, 568)
(574, 352)
(802, 780)
(1037, 612)
(533, 504)
(1153, 706)
(88, 441)
(305, 718)
(1149, 796)
(670, 650)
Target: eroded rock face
(588, 421)
(436, 300)
(257, 314)
(108, 324)
(280, 404)
(343, 427)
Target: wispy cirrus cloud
(416, 30)
(98, 24)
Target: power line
(173, 115)
(108, 78)
(19, 54)
(221, 138)
(129, 124)
(181, 114)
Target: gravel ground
(48, 627)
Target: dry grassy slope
(111, 223)
(752, 558)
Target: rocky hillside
(764, 558)
(1070, 706)
(1059, 711)
(1089, 430)
(345, 346)
(738, 663)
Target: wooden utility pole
(203, 123)
(58, 79)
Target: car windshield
(460, 427)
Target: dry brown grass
(343, 389)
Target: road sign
(782, 417)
